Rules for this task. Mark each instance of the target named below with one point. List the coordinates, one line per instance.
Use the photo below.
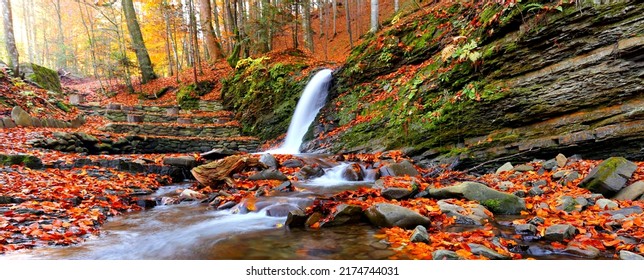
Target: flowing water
(193, 231)
(312, 100)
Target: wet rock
(535, 191)
(609, 177)
(481, 250)
(505, 167)
(399, 169)
(378, 184)
(295, 218)
(606, 204)
(353, 173)
(227, 205)
(445, 255)
(567, 203)
(345, 214)
(21, 159)
(188, 162)
(624, 211)
(291, 163)
(188, 194)
(219, 153)
(146, 203)
(627, 255)
(269, 160)
(313, 219)
(536, 221)
(268, 174)
(525, 229)
(570, 177)
(561, 160)
(582, 250)
(396, 193)
(169, 200)
(632, 192)
(560, 232)
(550, 164)
(523, 168)
(390, 215)
(419, 235)
(5, 200)
(474, 214)
(539, 183)
(536, 250)
(309, 172)
(496, 201)
(280, 210)
(287, 186)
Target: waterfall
(307, 109)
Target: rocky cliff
(482, 80)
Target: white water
(307, 109)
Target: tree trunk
(28, 26)
(348, 17)
(306, 24)
(61, 56)
(296, 8)
(193, 40)
(335, 14)
(10, 41)
(168, 35)
(396, 6)
(374, 16)
(212, 43)
(215, 14)
(137, 41)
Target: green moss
(61, 105)
(188, 96)
(26, 160)
(44, 77)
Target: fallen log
(219, 171)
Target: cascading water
(307, 109)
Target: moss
(44, 77)
(26, 160)
(188, 96)
(61, 105)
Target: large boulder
(609, 177)
(21, 159)
(43, 77)
(309, 172)
(632, 192)
(268, 174)
(269, 160)
(496, 201)
(474, 214)
(399, 169)
(8, 123)
(390, 215)
(21, 117)
(353, 172)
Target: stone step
(231, 129)
(203, 105)
(141, 144)
(197, 118)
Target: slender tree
(396, 6)
(348, 18)
(10, 40)
(137, 41)
(306, 25)
(374, 16)
(212, 43)
(61, 56)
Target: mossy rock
(188, 96)
(497, 202)
(610, 176)
(42, 76)
(21, 159)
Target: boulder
(269, 160)
(525, 229)
(353, 173)
(505, 167)
(293, 163)
(550, 164)
(8, 123)
(36, 122)
(268, 174)
(489, 253)
(42, 76)
(399, 169)
(345, 214)
(474, 214)
(295, 218)
(182, 161)
(627, 255)
(280, 210)
(419, 235)
(632, 192)
(390, 215)
(445, 255)
(609, 177)
(21, 117)
(309, 172)
(396, 193)
(560, 232)
(496, 201)
(30, 161)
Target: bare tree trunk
(92, 44)
(195, 45)
(306, 25)
(212, 43)
(296, 8)
(168, 34)
(335, 14)
(28, 26)
(10, 40)
(141, 51)
(348, 18)
(396, 6)
(215, 14)
(374, 16)
(61, 56)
